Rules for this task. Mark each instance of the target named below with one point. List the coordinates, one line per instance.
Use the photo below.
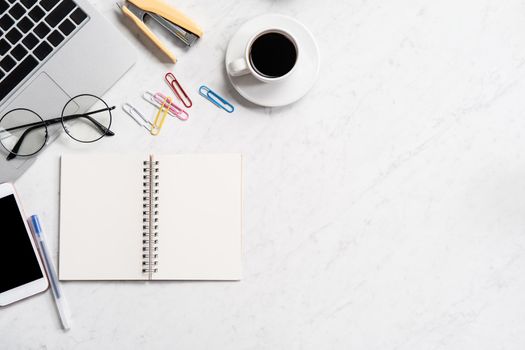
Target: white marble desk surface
(386, 210)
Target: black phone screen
(19, 264)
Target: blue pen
(58, 295)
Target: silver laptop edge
(90, 61)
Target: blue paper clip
(215, 98)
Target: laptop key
(36, 13)
(7, 63)
(18, 52)
(48, 4)
(28, 3)
(17, 11)
(6, 22)
(60, 12)
(78, 16)
(1, 74)
(41, 30)
(66, 27)
(3, 6)
(25, 24)
(18, 74)
(4, 46)
(42, 50)
(55, 38)
(30, 41)
(13, 35)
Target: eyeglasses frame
(44, 123)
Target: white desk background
(386, 210)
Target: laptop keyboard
(30, 31)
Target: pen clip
(35, 223)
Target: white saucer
(278, 93)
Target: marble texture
(383, 211)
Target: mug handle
(238, 67)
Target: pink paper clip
(174, 110)
(179, 112)
(178, 90)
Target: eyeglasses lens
(86, 125)
(22, 132)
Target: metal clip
(216, 99)
(160, 117)
(137, 116)
(175, 110)
(178, 90)
(156, 100)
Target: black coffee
(273, 55)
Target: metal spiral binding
(150, 212)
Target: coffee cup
(270, 55)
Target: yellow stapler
(170, 18)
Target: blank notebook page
(100, 217)
(200, 205)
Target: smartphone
(22, 270)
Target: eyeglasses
(24, 133)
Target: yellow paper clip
(161, 114)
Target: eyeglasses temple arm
(13, 152)
(57, 120)
(34, 126)
(42, 123)
(99, 126)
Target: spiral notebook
(165, 217)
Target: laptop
(50, 51)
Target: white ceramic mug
(243, 65)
